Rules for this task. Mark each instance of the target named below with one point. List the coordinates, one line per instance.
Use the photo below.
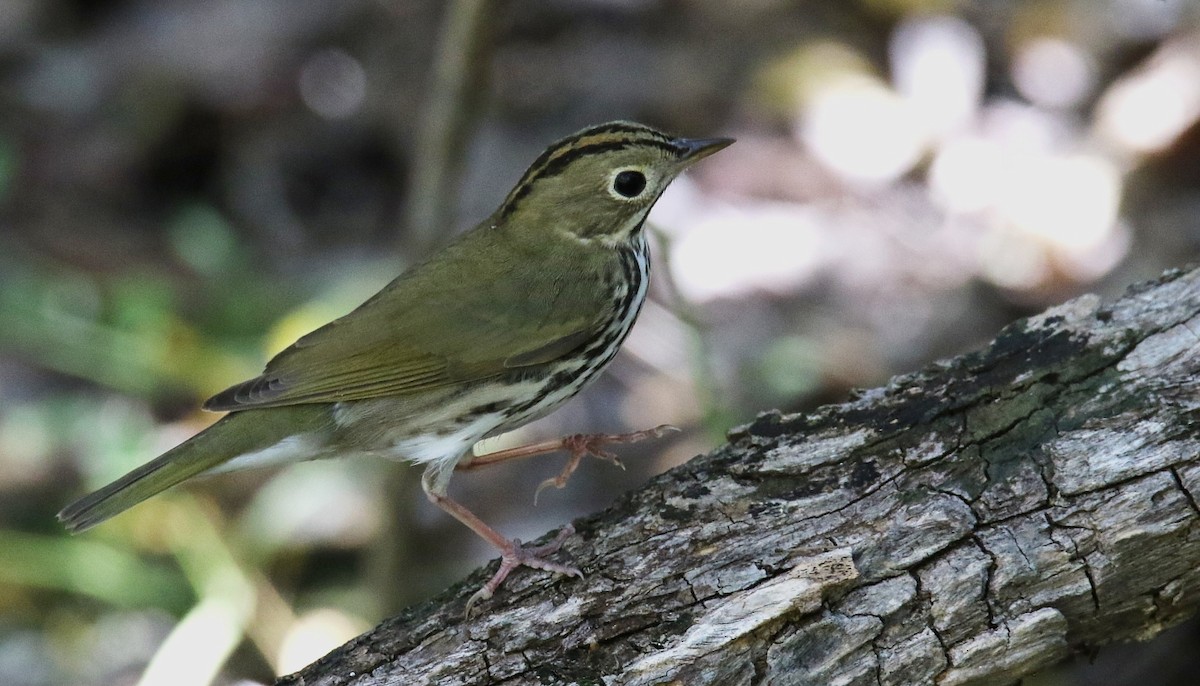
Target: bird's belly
(433, 426)
(444, 444)
(444, 427)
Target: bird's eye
(629, 183)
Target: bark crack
(987, 581)
(1187, 493)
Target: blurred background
(187, 187)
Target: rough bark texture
(968, 524)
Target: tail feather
(233, 435)
(152, 478)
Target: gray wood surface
(968, 524)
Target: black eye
(629, 183)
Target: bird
(501, 326)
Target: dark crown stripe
(606, 137)
(623, 127)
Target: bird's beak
(695, 149)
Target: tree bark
(968, 524)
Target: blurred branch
(458, 76)
(968, 524)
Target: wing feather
(421, 333)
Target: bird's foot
(514, 554)
(582, 445)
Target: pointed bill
(695, 149)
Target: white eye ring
(628, 183)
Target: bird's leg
(577, 445)
(513, 553)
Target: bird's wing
(421, 332)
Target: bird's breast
(570, 375)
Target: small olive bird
(500, 327)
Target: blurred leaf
(125, 335)
(203, 239)
(90, 568)
(791, 368)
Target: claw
(599, 454)
(514, 555)
(554, 481)
(581, 445)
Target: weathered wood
(967, 524)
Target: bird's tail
(238, 434)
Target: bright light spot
(1010, 260)
(1049, 212)
(1054, 73)
(202, 641)
(862, 130)
(965, 173)
(938, 66)
(333, 84)
(1095, 262)
(768, 246)
(1016, 125)
(1069, 202)
(313, 635)
(1053, 212)
(1147, 110)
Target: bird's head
(600, 183)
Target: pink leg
(578, 445)
(512, 553)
